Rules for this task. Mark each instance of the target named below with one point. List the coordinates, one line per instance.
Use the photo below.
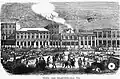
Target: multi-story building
(87, 39)
(107, 37)
(32, 37)
(83, 39)
(69, 40)
(55, 35)
(8, 34)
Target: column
(38, 44)
(83, 41)
(30, 43)
(48, 43)
(19, 43)
(16, 43)
(107, 43)
(79, 42)
(34, 35)
(102, 42)
(23, 44)
(42, 43)
(61, 44)
(34, 44)
(39, 35)
(26, 43)
(116, 44)
(87, 42)
(45, 43)
(91, 41)
(95, 41)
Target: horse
(68, 63)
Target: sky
(80, 15)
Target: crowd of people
(53, 61)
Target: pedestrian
(84, 61)
(48, 61)
(54, 60)
(79, 63)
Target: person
(88, 65)
(84, 61)
(48, 61)
(73, 62)
(54, 60)
(79, 63)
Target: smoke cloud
(47, 10)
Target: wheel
(111, 66)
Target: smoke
(47, 10)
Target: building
(55, 34)
(69, 40)
(87, 39)
(32, 37)
(107, 37)
(83, 39)
(8, 34)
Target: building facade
(55, 35)
(8, 34)
(107, 37)
(32, 37)
(69, 40)
(84, 39)
(87, 39)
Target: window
(21, 36)
(100, 42)
(118, 33)
(109, 34)
(41, 43)
(24, 43)
(44, 36)
(21, 43)
(28, 43)
(18, 43)
(47, 36)
(104, 42)
(104, 34)
(113, 34)
(32, 43)
(89, 42)
(28, 36)
(81, 42)
(113, 43)
(40, 36)
(109, 43)
(17, 36)
(95, 34)
(37, 36)
(36, 43)
(25, 36)
(118, 43)
(32, 35)
(100, 34)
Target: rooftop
(30, 29)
